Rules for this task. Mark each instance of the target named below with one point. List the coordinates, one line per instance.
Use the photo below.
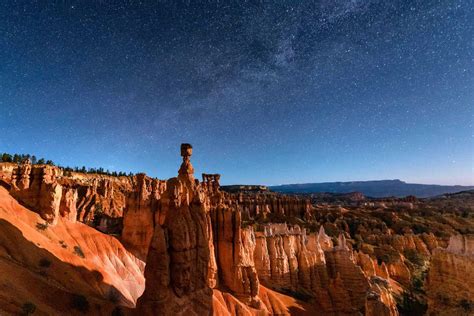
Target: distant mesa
(379, 188)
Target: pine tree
(7, 157)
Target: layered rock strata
(180, 269)
(450, 281)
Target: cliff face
(38, 189)
(65, 269)
(450, 281)
(46, 190)
(141, 204)
(261, 205)
(118, 205)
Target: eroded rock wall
(180, 273)
(37, 188)
(450, 281)
(119, 205)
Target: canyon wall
(450, 281)
(123, 206)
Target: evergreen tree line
(18, 158)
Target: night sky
(299, 91)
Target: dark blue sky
(300, 91)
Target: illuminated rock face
(292, 261)
(38, 189)
(450, 281)
(181, 268)
(119, 205)
(48, 265)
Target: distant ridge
(377, 188)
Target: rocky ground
(73, 243)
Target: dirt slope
(69, 268)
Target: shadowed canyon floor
(73, 243)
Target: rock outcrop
(450, 281)
(36, 187)
(180, 273)
(65, 269)
(123, 206)
(235, 248)
(141, 205)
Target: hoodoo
(180, 268)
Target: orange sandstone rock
(450, 282)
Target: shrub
(117, 311)
(114, 295)
(466, 305)
(298, 295)
(42, 226)
(44, 263)
(28, 308)
(411, 305)
(78, 251)
(414, 257)
(80, 303)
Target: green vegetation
(44, 263)
(98, 214)
(113, 295)
(80, 303)
(42, 226)
(28, 308)
(414, 257)
(298, 295)
(467, 305)
(411, 304)
(78, 251)
(18, 158)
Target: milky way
(299, 91)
